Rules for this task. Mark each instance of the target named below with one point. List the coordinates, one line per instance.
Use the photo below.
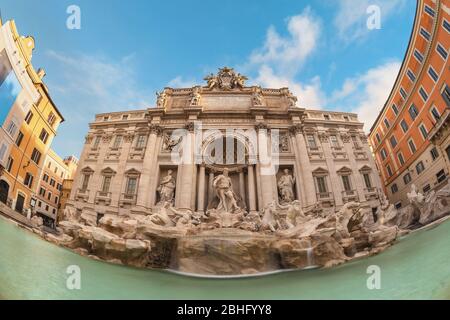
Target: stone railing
(83, 194)
(104, 197)
(349, 195)
(127, 199)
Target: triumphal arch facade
(224, 148)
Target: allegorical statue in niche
(286, 187)
(166, 188)
(161, 98)
(224, 190)
(196, 96)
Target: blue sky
(126, 50)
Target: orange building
(34, 126)
(409, 137)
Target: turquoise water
(416, 268)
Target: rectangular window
(429, 10)
(412, 146)
(389, 170)
(311, 141)
(52, 182)
(19, 139)
(367, 180)
(141, 140)
(423, 94)
(28, 181)
(425, 34)
(401, 159)
(393, 141)
(434, 153)
(334, 141)
(12, 128)
(117, 142)
(9, 164)
(106, 184)
(386, 123)
(398, 205)
(433, 74)
(131, 186)
(407, 178)
(426, 189)
(418, 55)
(43, 136)
(29, 117)
(435, 113)
(56, 200)
(97, 142)
(36, 156)
(346, 183)
(125, 117)
(395, 109)
(42, 192)
(355, 142)
(85, 183)
(321, 185)
(378, 137)
(441, 176)
(411, 75)
(423, 131)
(413, 112)
(49, 196)
(394, 188)
(446, 95)
(420, 167)
(51, 118)
(404, 125)
(45, 178)
(446, 25)
(383, 154)
(2, 151)
(443, 53)
(403, 93)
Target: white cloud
(310, 93)
(287, 54)
(366, 94)
(180, 82)
(88, 85)
(351, 18)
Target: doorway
(4, 190)
(19, 203)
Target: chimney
(41, 73)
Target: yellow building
(35, 125)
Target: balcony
(325, 198)
(349, 195)
(371, 193)
(103, 198)
(82, 194)
(127, 200)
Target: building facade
(409, 137)
(30, 126)
(268, 148)
(71, 163)
(51, 186)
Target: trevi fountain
(230, 180)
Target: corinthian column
(201, 189)
(266, 166)
(185, 197)
(305, 166)
(242, 186)
(251, 189)
(147, 183)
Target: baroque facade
(410, 138)
(30, 120)
(223, 147)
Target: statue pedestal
(225, 219)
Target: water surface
(418, 267)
